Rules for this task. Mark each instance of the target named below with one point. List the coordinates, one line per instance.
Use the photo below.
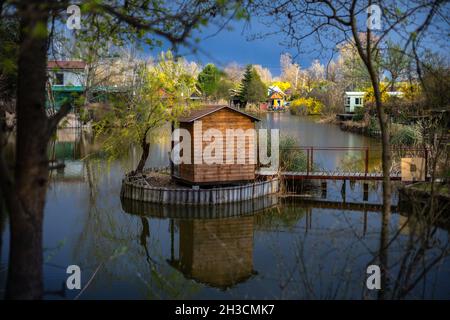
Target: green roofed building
(67, 81)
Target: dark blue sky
(234, 46)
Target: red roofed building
(66, 64)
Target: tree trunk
(383, 258)
(145, 152)
(386, 166)
(393, 85)
(27, 199)
(385, 140)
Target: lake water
(280, 248)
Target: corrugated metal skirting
(139, 189)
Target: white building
(67, 73)
(355, 99)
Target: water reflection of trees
(423, 251)
(334, 266)
(106, 229)
(141, 265)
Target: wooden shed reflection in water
(216, 252)
(211, 244)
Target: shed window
(358, 101)
(347, 101)
(59, 79)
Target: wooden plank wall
(215, 173)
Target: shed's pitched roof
(273, 89)
(205, 110)
(276, 95)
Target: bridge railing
(310, 150)
(365, 150)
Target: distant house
(199, 171)
(397, 94)
(196, 96)
(355, 99)
(66, 73)
(67, 80)
(276, 98)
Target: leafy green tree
(209, 79)
(224, 87)
(252, 89)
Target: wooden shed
(200, 170)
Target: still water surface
(277, 248)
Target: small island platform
(157, 187)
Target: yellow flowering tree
(369, 95)
(305, 106)
(411, 91)
(283, 85)
(161, 95)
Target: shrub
(373, 128)
(291, 160)
(359, 114)
(405, 135)
(306, 106)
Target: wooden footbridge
(314, 173)
(336, 175)
(336, 205)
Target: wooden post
(365, 191)
(172, 254)
(312, 158)
(307, 162)
(426, 163)
(308, 218)
(324, 189)
(366, 164)
(365, 223)
(171, 149)
(343, 189)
